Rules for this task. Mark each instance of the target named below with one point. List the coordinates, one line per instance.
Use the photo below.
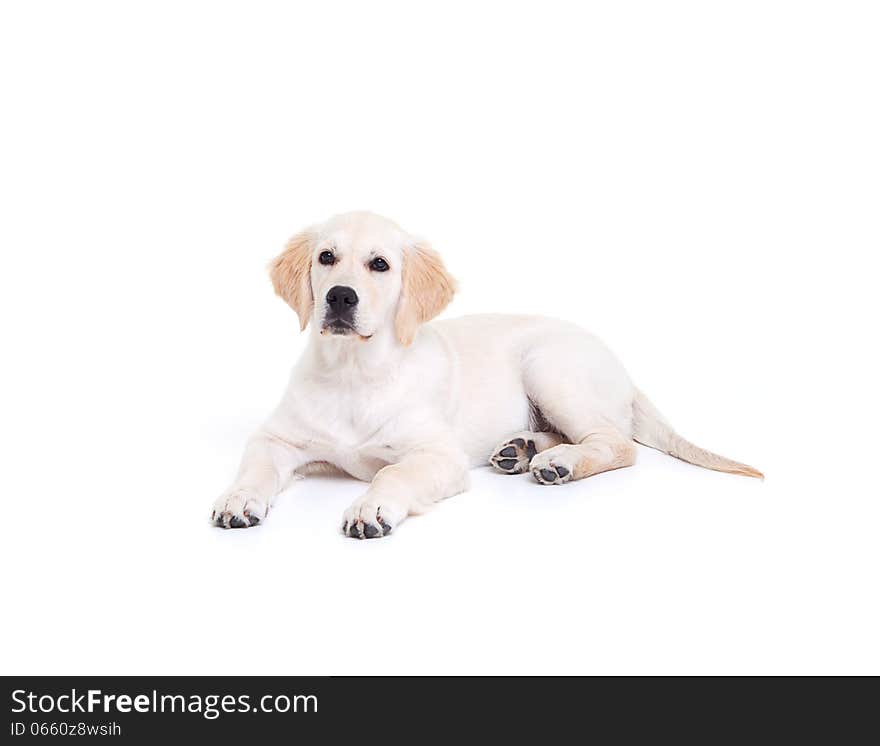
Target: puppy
(409, 407)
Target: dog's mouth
(337, 327)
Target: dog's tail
(651, 429)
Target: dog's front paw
(238, 509)
(371, 518)
(552, 466)
(513, 456)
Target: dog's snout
(342, 298)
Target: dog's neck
(354, 358)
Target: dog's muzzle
(341, 303)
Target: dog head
(359, 273)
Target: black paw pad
(551, 475)
(361, 530)
(531, 451)
(510, 457)
(252, 520)
(236, 522)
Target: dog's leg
(514, 455)
(594, 413)
(266, 468)
(602, 449)
(411, 486)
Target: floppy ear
(426, 289)
(290, 276)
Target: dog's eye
(326, 257)
(379, 265)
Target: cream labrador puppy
(409, 406)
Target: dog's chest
(361, 422)
(353, 419)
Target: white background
(695, 182)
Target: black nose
(342, 298)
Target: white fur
(413, 419)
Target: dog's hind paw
(552, 467)
(552, 475)
(513, 456)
